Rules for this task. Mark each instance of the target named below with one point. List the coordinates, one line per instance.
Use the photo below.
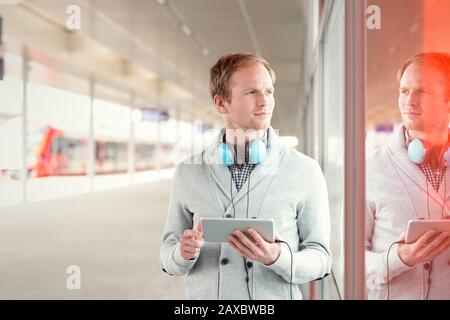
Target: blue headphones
(257, 151)
(419, 153)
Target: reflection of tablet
(416, 228)
(218, 229)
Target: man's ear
(221, 104)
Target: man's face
(251, 99)
(422, 98)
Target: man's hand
(253, 246)
(191, 242)
(430, 245)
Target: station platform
(113, 236)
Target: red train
(56, 152)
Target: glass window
(58, 129)
(11, 191)
(333, 104)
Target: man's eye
(404, 91)
(251, 92)
(269, 92)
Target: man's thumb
(200, 227)
(402, 237)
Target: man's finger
(442, 237)
(248, 243)
(439, 249)
(425, 239)
(189, 249)
(194, 243)
(188, 234)
(254, 248)
(258, 238)
(243, 249)
(237, 249)
(199, 231)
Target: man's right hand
(430, 245)
(191, 242)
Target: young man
(285, 186)
(403, 186)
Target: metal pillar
(354, 158)
(91, 142)
(131, 143)
(24, 170)
(158, 144)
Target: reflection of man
(407, 180)
(285, 186)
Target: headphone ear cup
(225, 155)
(257, 152)
(417, 152)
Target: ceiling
(138, 45)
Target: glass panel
(58, 129)
(11, 131)
(398, 188)
(333, 103)
(111, 135)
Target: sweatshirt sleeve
(376, 263)
(179, 218)
(313, 260)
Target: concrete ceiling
(138, 45)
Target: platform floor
(113, 236)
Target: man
(287, 187)
(403, 187)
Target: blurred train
(56, 152)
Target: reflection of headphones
(257, 151)
(419, 152)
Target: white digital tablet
(417, 228)
(219, 229)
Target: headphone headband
(255, 151)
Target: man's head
(424, 93)
(241, 86)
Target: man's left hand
(252, 245)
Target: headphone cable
(247, 279)
(292, 262)
(428, 197)
(445, 195)
(231, 193)
(387, 265)
(248, 192)
(429, 280)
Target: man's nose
(262, 100)
(411, 99)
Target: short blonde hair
(438, 60)
(222, 71)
